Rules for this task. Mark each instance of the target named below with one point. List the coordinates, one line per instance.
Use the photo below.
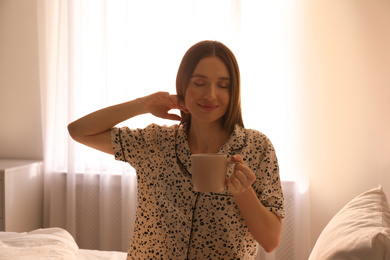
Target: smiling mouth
(208, 107)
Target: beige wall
(20, 131)
(346, 103)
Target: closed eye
(199, 84)
(198, 81)
(224, 84)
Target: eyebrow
(204, 77)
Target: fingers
(178, 103)
(159, 104)
(175, 103)
(172, 117)
(242, 177)
(243, 173)
(237, 159)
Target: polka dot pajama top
(175, 222)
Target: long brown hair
(187, 66)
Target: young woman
(173, 221)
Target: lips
(208, 107)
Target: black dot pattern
(175, 222)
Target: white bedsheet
(85, 254)
(48, 243)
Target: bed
(48, 243)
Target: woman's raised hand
(160, 103)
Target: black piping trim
(120, 142)
(192, 222)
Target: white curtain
(96, 53)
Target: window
(121, 50)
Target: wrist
(241, 194)
(142, 105)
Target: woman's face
(207, 96)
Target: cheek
(188, 98)
(190, 95)
(226, 98)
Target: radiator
(285, 250)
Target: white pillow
(360, 230)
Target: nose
(210, 92)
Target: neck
(206, 138)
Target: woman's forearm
(104, 119)
(264, 226)
(94, 129)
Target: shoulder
(155, 129)
(256, 137)
(258, 143)
(152, 132)
(248, 138)
(159, 133)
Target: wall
(20, 118)
(346, 103)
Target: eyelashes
(223, 84)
